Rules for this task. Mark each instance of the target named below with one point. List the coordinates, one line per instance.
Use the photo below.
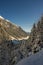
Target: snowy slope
(36, 59)
(1, 17)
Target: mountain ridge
(12, 31)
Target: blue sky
(22, 12)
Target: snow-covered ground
(23, 38)
(36, 59)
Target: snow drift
(36, 59)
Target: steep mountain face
(11, 31)
(3, 34)
(11, 51)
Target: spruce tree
(33, 33)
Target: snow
(7, 20)
(12, 38)
(1, 17)
(36, 59)
(23, 38)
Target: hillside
(36, 36)
(12, 39)
(10, 31)
(36, 59)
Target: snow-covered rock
(36, 59)
(1, 17)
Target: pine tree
(33, 33)
(40, 29)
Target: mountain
(36, 59)
(17, 44)
(12, 42)
(10, 31)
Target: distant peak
(1, 17)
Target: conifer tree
(33, 32)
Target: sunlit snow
(1, 17)
(36, 59)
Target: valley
(16, 44)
